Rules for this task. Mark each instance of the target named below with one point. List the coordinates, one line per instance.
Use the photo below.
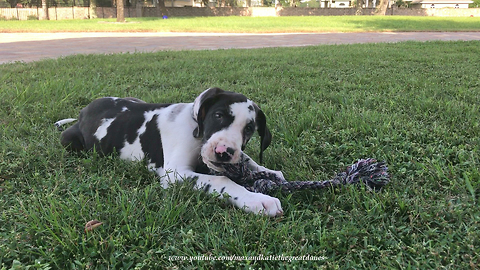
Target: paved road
(35, 46)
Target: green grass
(252, 25)
(415, 105)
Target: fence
(61, 13)
(18, 13)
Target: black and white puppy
(176, 138)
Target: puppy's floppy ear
(200, 107)
(265, 135)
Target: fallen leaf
(92, 224)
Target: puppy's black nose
(224, 154)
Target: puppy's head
(226, 122)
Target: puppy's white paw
(261, 204)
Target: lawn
(414, 105)
(237, 24)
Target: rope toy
(371, 173)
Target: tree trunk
(382, 7)
(160, 9)
(359, 7)
(44, 10)
(120, 11)
(93, 9)
(139, 9)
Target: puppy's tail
(62, 122)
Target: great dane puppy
(178, 138)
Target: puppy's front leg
(237, 195)
(252, 202)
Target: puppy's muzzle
(223, 153)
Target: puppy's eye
(218, 115)
(249, 130)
